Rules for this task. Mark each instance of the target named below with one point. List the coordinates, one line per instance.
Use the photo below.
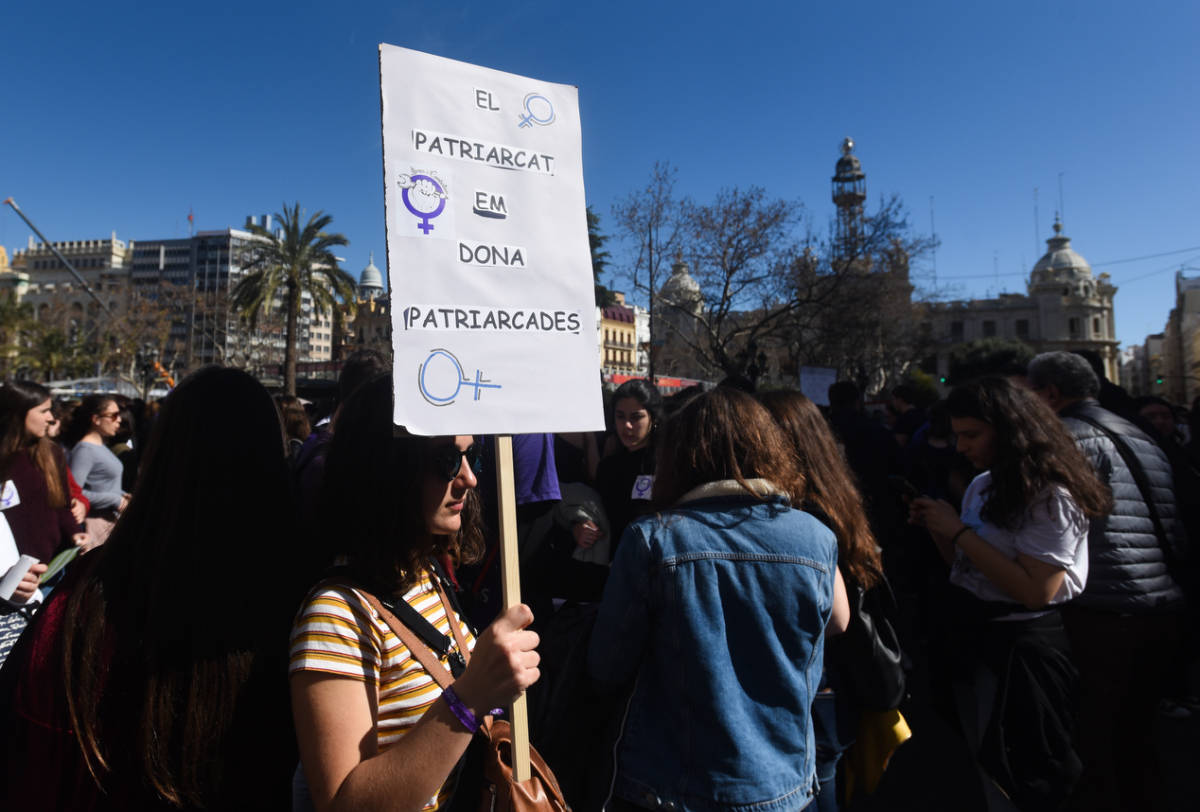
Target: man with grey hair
(1069, 375)
(1126, 624)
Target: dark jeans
(1123, 661)
(830, 723)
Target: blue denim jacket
(718, 608)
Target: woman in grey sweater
(95, 468)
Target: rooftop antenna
(996, 267)
(1062, 211)
(933, 235)
(1037, 236)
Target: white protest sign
(493, 314)
(815, 383)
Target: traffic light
(942, 379)
(1158, 381)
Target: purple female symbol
(427, 190)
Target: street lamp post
(146, 357)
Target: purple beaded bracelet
(461, 711)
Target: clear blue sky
(123, 117)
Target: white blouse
(1054, 529)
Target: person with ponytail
(97, 469)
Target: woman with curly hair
(375, 730)
(1017, 551)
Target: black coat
(1127, 566)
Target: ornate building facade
(371, 327)
(1065, 307)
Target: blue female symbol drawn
(442, 381)
(426, 201)
(538, 110)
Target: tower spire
(849, 194)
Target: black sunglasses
(447, 460)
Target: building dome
(848, 166)
(370, 281)
(1060, 263)
(681, 290)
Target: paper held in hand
(492, 296)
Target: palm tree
(296, 260)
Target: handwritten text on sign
(492, 297)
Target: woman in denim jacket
(717, 608)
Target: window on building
(956, 331)
(1073, 327)
(1022, 328)
(1096, 331)
(989, 328)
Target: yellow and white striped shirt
(338, 632)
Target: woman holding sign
(375, 730)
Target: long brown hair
(371, 498)
(16, 399)
(1033, 451)
(831, 485)
(172, 659)
(720, 435)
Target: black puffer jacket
(1127, 568)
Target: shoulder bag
(498, 791)
(868, 655)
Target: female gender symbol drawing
(451, 376)
(424, 196)
(538, 110)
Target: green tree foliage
(49, 352)
(281, 268)
(925, 386)
(988, 356)
(600, 258)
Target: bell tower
(849, 194)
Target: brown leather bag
(499, 792)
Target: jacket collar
(759, 489)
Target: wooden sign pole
(510, 575)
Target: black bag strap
(421, 653)
(1139, 477)
(449, 590)
(411, 621)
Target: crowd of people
(229, 600)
